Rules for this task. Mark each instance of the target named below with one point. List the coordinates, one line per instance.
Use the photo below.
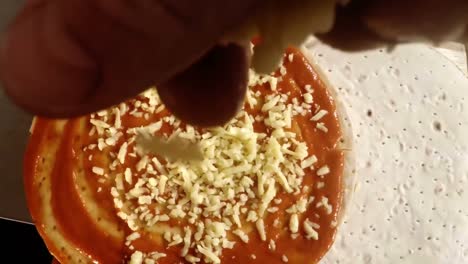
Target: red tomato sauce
(80, 229)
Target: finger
(42, 67)
(427, 20)
(211, 91)
(63, 59)
(367, 24)
(350, 33)
(38, 76)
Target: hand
(64, 58)
(366, 24)
(67, 58)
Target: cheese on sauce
(98, 170)
(223, 181)
(319, 115)
(310, 231)
(294, 223)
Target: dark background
(14, 127)
(20, 243)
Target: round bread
(49, 188)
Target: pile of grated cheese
(210, 205)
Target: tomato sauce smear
(79, 227)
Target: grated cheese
(122, 153)
(270, 103)
(243, 236)
(136, 258)
(308, 162)
(142, 163)
(128, 175)
(319, 115)
(282, 70)
(324, 203)
(187, 241)
(261, 229)
(294, 223)
(118, 121)
(309, 229)
(323, 171)
(308, 99)
(272, 245)
(133, 236)
(321, 126)
(192, 259)
(233, 187)
(97, 170)
(210, 255)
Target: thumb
(66, 58)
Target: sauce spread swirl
(269, 189)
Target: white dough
(409, 115)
